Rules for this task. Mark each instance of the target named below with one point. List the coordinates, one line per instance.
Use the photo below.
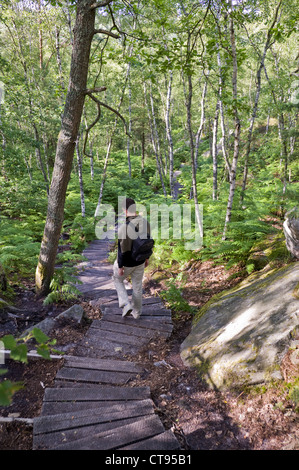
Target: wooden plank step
(95, 376)
(105, 350)
(96, 393)
(134, 330)
(103, 299)
(94, 287)
(100, 252)
(149, 312)
(100, 277)
(151, 300)
(99, 334)
(102, 364)
(51, 408)
(164, 441)
(155, 324)
(77, 419)
(53, 439)
(96, 269)
(117, 437)
(103, 296)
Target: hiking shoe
(127, 310)
(135, 314)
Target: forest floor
(202, 419)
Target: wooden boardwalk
(92, 405)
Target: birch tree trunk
(110, 139)
(20, 52)
(237, 128)
(169, 135)
(130, 122)
(222, 122)
(193, 165)
(215, 152)
(256, 100)
(155, 130)
(154, 142)
(202, 122)
(83, 34)
(167, 106)
(142, 152)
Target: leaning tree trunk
(83, 34)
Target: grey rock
(76, 313)
(241, 337)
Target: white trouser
(136, 273)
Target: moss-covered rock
(240, 336)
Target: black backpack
(142, 248)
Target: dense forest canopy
(200, 92)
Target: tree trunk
(80, 175)
(155, 130)
(189, 126)
(83, 34)
(202, 122)
(154, 144)
(222, 123)
(257, 95)
(237, 129)
(142, 152)
(130, 122)
(169, 141)
(215, 152)
(110, 139)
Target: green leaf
(9, 342)
(43, 351)
(39, 335)
(19, 353)
(7, 389)
(56, 351)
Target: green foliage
(173, 296)
(19, 245)
(19, 352)
(7, 389)
(294, 394)
(62, 286)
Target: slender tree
(237, 125)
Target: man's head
(130, 206)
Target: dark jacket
(125, 242)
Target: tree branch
(100, 4)
(108, 33)
(90, 127)
(95, 90)
(100, 103)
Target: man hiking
(134, 249)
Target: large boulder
(240, 336)
(291, 231)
